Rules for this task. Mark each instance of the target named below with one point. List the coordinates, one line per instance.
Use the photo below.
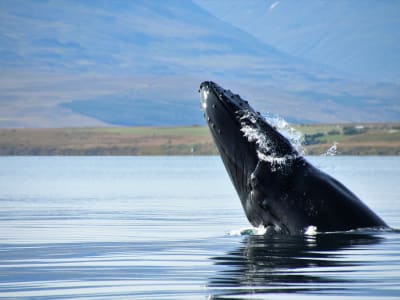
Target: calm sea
(167, 228)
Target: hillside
(352, 139)
(357, 37)
(71, 63)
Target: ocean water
(168, 228)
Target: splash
(266, 148)
(254, 134)
(332, 151)
(310, 230)
(295, 137)
(260, 230)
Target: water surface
(158, 228)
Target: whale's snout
(204, 93)
(212, 94)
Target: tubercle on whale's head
(232, 102)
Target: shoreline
(351, 139)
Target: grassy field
(352, 139)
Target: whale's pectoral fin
(257, 204)
(255, 182)
(261, 168)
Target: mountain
(156, 38)
(99, 63)
(361, 38)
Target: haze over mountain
(101, 63)
(361, 38)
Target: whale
(278, 187)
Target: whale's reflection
(289, 264)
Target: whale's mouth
(221, 110)
(244, 140)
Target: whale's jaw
(237, 130)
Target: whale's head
(244, 138)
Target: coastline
(351, 139)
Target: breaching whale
(278, 188)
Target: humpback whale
(278, 188)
